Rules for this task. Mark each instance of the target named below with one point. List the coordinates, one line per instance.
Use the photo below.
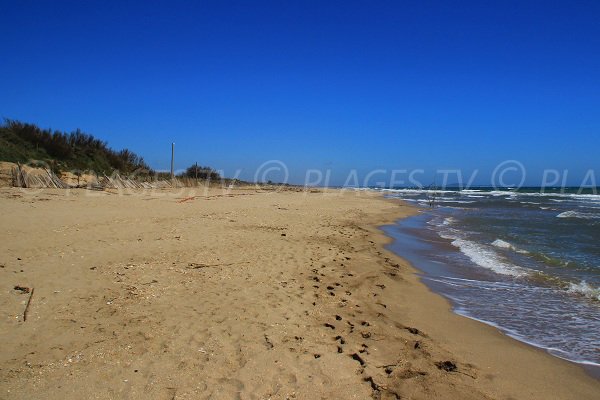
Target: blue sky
(318, 85)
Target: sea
(526, 261)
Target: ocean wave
(456, 201)
(418, 191)
(449, 233)
(502, 244)
(577, 196)
(506, 194)
(486, 258)
(449, 221)
(552, 261)
(577, 214)
(583, 288)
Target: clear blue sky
(323, 84)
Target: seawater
(526, 261)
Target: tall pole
(196, 170)
(172, 160)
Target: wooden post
(196, 170)
(172, 160)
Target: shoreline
(528, 354)
(246, 293)
(407, 242)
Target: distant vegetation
(199, 172)
(26, 143)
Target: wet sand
(241, 294)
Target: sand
(248, 294)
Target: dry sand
(248, 294)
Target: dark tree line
(74, 150)
(197, 171)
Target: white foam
(583, 288)
(418, 191)
(449, 221)
(455, 201)
(577, 214)
(487, 258)
(505, 245)
(502, 244)
(510, 194)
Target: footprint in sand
(363, 349)
(414, 331)
(351, 326)
(358, 358)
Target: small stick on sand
(187, 199)
(27, 306)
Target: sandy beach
(239, 294)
